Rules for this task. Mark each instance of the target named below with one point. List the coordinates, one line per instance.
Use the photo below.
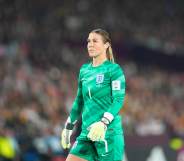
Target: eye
(93, 40)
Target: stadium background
(43, 45)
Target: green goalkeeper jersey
(100, 89)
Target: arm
(118, 94)
(73, 117)
(77, 104)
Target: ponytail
(110, 56)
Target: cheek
(99, 47)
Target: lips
(91, 50)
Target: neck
(99, 60)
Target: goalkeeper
(100, 96)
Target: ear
(107, 45)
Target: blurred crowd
(48, 24)
(154, 104)
(35, 102)
(42, 46)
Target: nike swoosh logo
(83, 79)
(103, 155)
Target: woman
(100, 96)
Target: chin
(91, 55)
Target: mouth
(91, 50)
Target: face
(96, 45)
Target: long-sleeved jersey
(100, 89)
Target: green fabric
(96, 95)
(84, 149)
(97, 151)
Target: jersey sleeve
(117, 90)
(78, 102)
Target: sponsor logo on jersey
(116, 85)
(99, 78)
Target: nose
(90, 44)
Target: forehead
(93, 35)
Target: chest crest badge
(99, 78)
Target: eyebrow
(92, 39)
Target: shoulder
(115, 67)
(116, 70)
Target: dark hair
(106, 38)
